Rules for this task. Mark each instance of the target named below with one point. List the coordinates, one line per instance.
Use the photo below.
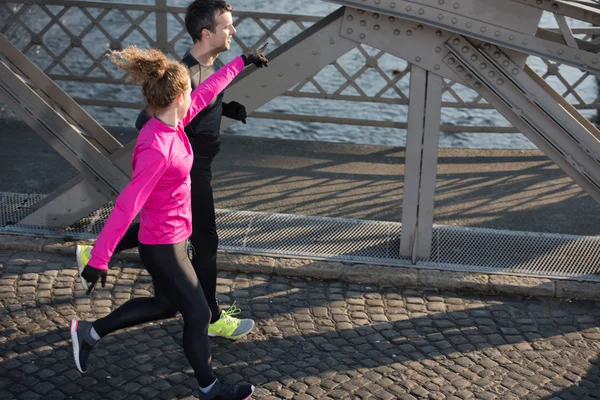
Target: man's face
(220, 39)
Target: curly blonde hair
(162, 79)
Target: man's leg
(204, 239)
(205, 242)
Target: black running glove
(235, 110)
(91, 275)
(256, 57)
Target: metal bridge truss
(482, 44)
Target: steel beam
(520, 108)
(293, 62)
(573, 9)
(513, 26)
(422, 140)
(56, 97)
(60, 121)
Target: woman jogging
(160, 191)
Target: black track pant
(204, 239)
(176, 288)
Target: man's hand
(256, 57)
(91, 275)
(235, 110)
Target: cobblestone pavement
(314, 340)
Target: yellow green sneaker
(83, 257)
(229, 327)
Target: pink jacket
(160, 182)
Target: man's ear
(205, 34)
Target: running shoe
(224, 391)
(83, 257)
(228, 326)
(82, 343)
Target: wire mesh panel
(352, 240)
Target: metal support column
(421, 163)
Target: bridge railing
(69, 41)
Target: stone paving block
(522, 285)
(245, 263)
(575, 290)
(381, 275)
(453, 280)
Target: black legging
(176, 288)
(204, 239)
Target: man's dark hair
(201, 15)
